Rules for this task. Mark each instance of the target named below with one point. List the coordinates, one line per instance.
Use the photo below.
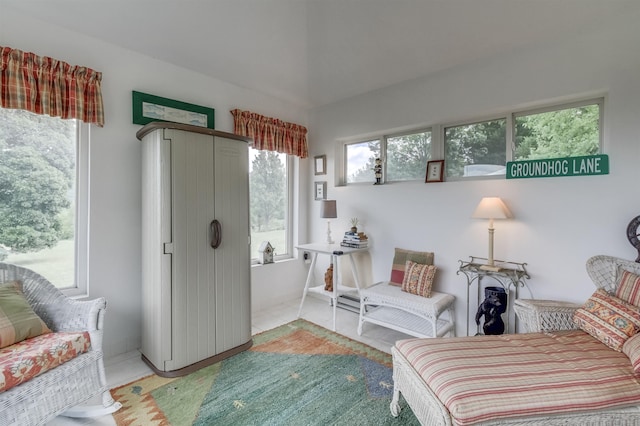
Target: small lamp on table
(491, 208)
(328, 210)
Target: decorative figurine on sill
(266, 251)
(492, 307)
(378, 171)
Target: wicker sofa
(62, 389)
(419, 367)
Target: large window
(43, 196)
(270, 189)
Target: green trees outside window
(37, 193)
(269, 200)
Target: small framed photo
(320, 164)
(435, 171)
(320, 190)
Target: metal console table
(507, 274)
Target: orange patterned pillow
(418, 279)
(628, 287)
(608, 318)
(400, 258)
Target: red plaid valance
(270, 133)
(45, 85)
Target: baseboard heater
(349, 303)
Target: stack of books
(355, 240)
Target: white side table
(334, 251)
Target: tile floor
(128, 367)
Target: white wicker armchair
(550, 315)
(62, 389)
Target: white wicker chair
(550, 315)
(536, 316)
(61, 390)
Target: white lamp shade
(328, 209)
(491, 208)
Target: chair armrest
(72, 315)
(58, 311)
(545, 315)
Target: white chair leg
(109, 406)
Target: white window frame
(81, 236)
(511, 130)
(343, 170)
(289, 214)
(288, 211)
(479, 120)
(79, 286)
(399, 134)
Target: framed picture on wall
(435, 171)
(148, 108)
(320, 190)
(320, 164)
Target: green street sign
(557, 167)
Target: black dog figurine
(492, 308)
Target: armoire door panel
(193, 209)
(232, 194)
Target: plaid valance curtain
(45, 85)
(270, 133)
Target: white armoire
(196, 292)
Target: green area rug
(296, 374)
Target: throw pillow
(631, 349)
(418, 279)
(18, 321)
(400, 262)
(608, 318)
(628, 287)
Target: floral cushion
(628, 287)
(32, 357)
(18, 321)
(400, 258)
(418, 279)
(608, 318)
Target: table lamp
(328, 211)
(491, 208)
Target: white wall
(559, 222)
(115, 216)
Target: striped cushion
(17, 320)
(400, 261)
(418, 279)
(485, 378)
(628, 287)
(631, 348)
(608, 319)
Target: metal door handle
(216, 233)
